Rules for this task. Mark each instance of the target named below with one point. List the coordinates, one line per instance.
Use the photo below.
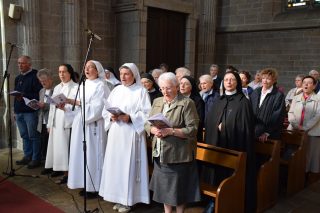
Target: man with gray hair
(315, 75)
(29, 86)
(214, 70)
(182, 71)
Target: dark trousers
(44, 141)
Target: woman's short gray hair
(44, 72)
(168, 76)
(156, 71)
(206, 78)
(184, 71)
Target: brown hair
(271, 72)
(247, 74)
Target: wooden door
(165, 38)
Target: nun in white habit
(125, 170)
(95, 92)
(58, 142)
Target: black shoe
(63, 180)
(33, 164)
(57, 173)
(23, 161)
(81, 193)
(92, 195)
(46, 171)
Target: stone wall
(52, 33)
(255, 34)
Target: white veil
(100, 69)
(134, 69)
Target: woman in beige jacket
(304, 114)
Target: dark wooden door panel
(165, 38)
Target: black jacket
(235, 114)
(30, 86)
(270, 116)
(201, 113)
(154, 94)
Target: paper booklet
(33, 104)
(115, 111)
(15, 93)
(160, 121)
(58, 99)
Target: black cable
(65, 191)
(94, 188)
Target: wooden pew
(230, 194)
(296, 162)
(268, 174)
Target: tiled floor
(69, 201)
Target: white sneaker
(117, 206)
(124, 209)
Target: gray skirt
(175, 184)
(313, 154)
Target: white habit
(58, 142)
(125, 172)
(95, 92)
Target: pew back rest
(294, 158)
(268, 174)
(219, 156)
(224, 193)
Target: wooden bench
(268, 174)
(295, 163)
(229, 195)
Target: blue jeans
(27, 124)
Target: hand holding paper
(115, 111)
(56, 100)
(33, 104)
(160, 121)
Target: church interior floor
(68, 200)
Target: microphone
(93, 34)
(15, 45)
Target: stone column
(71, 33)
(207, 34)
(29, 30)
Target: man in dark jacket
(29, 86)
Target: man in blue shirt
(27, 118)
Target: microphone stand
(7, 77)
(84, 142)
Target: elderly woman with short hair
(45, 78)
(294, 91)
(304, 114)
(174, 180)
(268, 107)
(182, 71)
